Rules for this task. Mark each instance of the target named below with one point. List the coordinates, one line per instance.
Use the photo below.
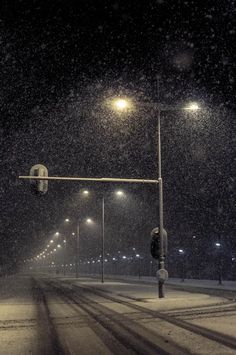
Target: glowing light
(120, 104)
(57, 234)
(217, 245)
(193, 106)
(89, 220)
(85, 192)
(181, 251)
(67, 220)
(51, 241)
(120, 193)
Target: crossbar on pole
(66, 178)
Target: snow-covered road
(49, 315)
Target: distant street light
(89, 220)
(119, 193)
(67, 220)
(219, 257)
(193, 106)
(181, 252)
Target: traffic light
(156, 243)
(39, 187)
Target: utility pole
(103, 236)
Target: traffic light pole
(161, 262)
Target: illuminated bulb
(120, 104)
(193, 106)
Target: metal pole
(67, 178)
(103, 235)
(161, 264)
(77, 252)
(220, 263)
(64, 254)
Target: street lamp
(119, 193)
(192, 106)
(158, 108)
(181, 252)
(219, 256)
(89, 221)
(121, 104)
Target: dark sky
(61, 59)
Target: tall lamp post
(121, 104)
(77, 244)
(118, 193)
(161, 261)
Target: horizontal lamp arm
(67, 178)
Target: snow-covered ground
(26, 315)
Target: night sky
(60, 61)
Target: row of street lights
(46, 253)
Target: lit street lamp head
(193, 106)
(120, 104)
(120, 193)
